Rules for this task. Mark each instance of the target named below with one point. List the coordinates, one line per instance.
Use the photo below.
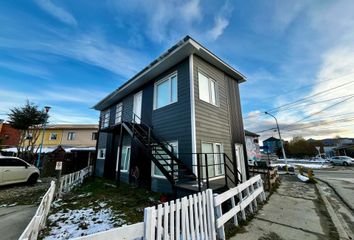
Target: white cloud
(57, 12)
(219, 26)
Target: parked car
(16, 170)
(342, 160)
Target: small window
(173, 147)
(124, 167)
(101, 154)
(71, 136)
(207, 89)
(119, 110)
(53, 136)
(105, 118)
(166, 91)
(94, 136)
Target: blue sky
(70, 54)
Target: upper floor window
(119, 110)
(207, 89)
(94, 136)
(105, 118)
(166, 91)
(53, 136)
(71, 136)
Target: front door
(240, 162)
(138, 97)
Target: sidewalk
(295, 211)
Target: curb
(338, 195)
(341, 232)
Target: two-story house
(175, 125)
(69, 135)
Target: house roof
(271, 139)
(72, 126)
(176, 53)
(251, 134)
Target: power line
(309, 116)
(309, 85)
(304, 99)
(326, 108)
(316, 94)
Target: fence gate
(191, 217)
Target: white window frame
(50, 136)
(214, 144)
(105, 116)
(216, 89)
(168, 78)
(126, 156)
(119, 114)
(96, 136)
(153, 174)
(71, 136)
(103, 150)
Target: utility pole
(281, 141)
(46, 109)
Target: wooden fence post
(211, 215)
(218, 213)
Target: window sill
(165, 106)
(215, 105)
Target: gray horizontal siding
(212, 122)
(173, 122)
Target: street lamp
(46, 109)
(281, 141)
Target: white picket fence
(38, 221)
(196, 217)
(242, 197)
(69, 181)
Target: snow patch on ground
(302, 178)
(305, 165)
(67, 224)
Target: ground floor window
(101, 153)
(172, 146)
(212, 159)
(124, 166)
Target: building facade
(69, 135)
(9, 137)
(176, 124)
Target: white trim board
(193, 132)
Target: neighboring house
(272, 144)
(252, 146)
(9, 137)
(69, 135)
(176, 125)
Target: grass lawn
(97, 206)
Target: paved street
(13, 220)
(295, 211)
(341, 179)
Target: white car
(15, 170)
(342, 160)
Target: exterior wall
(9, 137)
(253, 150)
(46, 141)
(83, 138)
(173, 122)
(102, 143)
(212, 122)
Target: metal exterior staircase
(160, 153)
